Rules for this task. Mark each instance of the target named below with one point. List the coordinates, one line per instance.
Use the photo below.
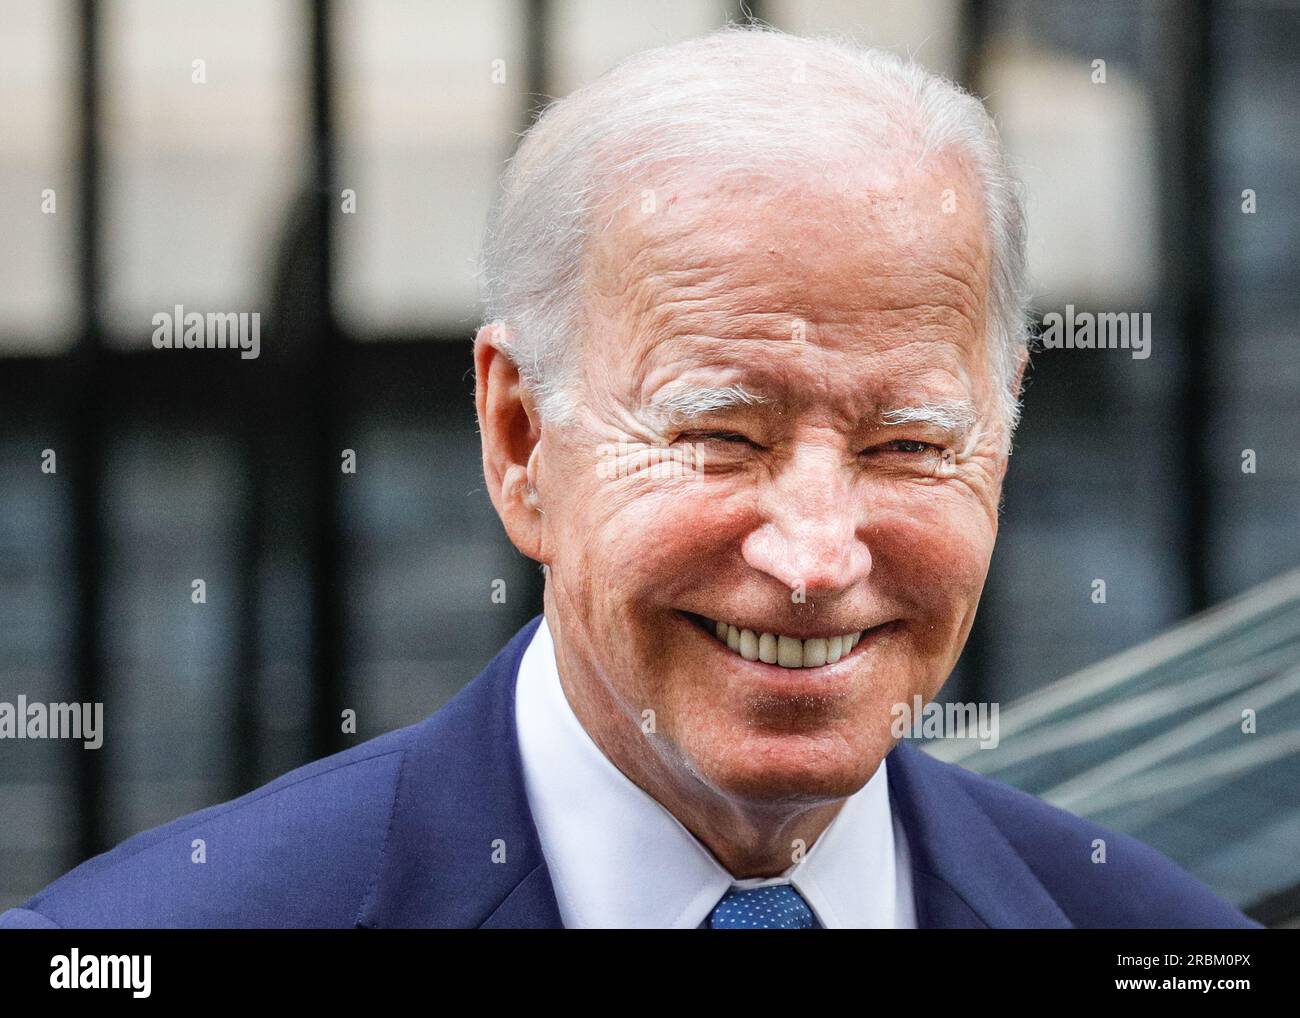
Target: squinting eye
(909, 445)
(716, 436)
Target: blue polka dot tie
(772, 907)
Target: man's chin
(790, 769)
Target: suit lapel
(965, 873)
(462, 850)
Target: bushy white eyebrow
(956, 416)
(684, 402)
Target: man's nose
(812, 516)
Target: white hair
(743, 98)
(956, 415)
(682, 403)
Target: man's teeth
(786, 651)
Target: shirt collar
(619, 859)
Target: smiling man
(811, 342)
(746, 390)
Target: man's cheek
(662, 524)
(937, 587)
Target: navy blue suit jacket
(429, 826)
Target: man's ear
(510, 429)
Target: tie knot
(772, 907)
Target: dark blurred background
(373, 591)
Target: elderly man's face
(832, 499)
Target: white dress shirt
(618, 859)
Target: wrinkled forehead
(892, 262)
